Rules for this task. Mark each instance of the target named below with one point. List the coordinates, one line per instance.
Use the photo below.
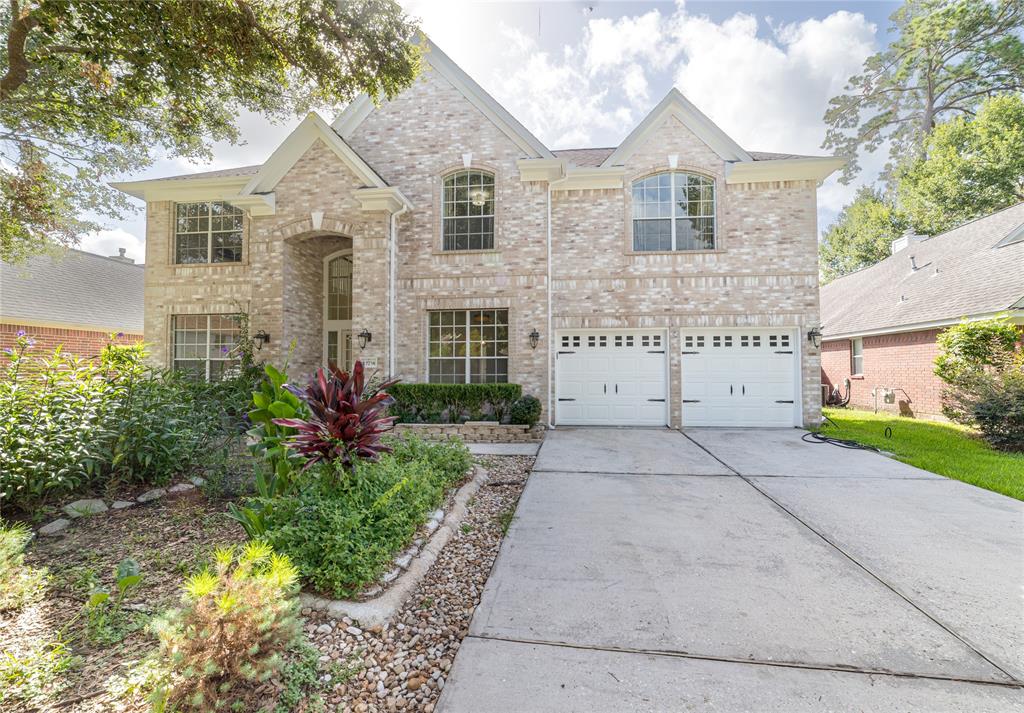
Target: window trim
(854, 356)
(173, 246)
(630, 234)
(208, 359)
(469, 358)
(444, 176)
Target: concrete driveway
(745, 570)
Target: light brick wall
(85, 343)
(897, 361)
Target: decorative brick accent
(473, 432)
(85, 343)
(904, 362)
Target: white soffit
(788, 169)
(356, 112)
(675, 104)
(227, 189)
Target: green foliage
(525, 411)
(947, 56)
(26, 676)
(971, 348)
(996, 405)
(975, 166)
(273, 400)
(238, 622)
(105, 621)
(452, 403)
(91, 88)
(22, 584)
(67, 423)
(860, 236)
(342, 532)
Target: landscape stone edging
(374, 612)
(475, 431)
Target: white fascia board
(675, 104)
(1014, 315)
(591, 178)
(189, 190)
(540, 169)
(297, 143)
(817, 168)
(389, 199)
(353, 115)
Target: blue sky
(585, 73)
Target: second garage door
(611, 378)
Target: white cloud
(107, 242)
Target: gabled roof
(675, 104)
(75, 290)
(591, 158)
(969, 271)
(356, 112)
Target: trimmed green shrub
(526, 411)
(342, 529)
(452, 403)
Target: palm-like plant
(345, 422)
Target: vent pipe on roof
(909, 237)
(121, 256)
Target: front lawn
(943, 448)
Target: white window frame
(342, 326)
(207, 360)
(673, 217)
(857, 356)
(209, 234)
(468, 358)
(492, 215)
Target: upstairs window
(674, 211)
(207, 233)
(467, 211)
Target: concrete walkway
(745, 570)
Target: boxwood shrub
(453, 403)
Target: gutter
(392, 299)
(1015, 315)
(550, 335)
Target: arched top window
(674, 211)
(467, 211)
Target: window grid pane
(205, 346)
(339, 288)
(467, 211)
(674, 211)
(207, 232)
(468, 346)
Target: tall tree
(860, 236)
(974, 167)
(948, 56)
(93, 88)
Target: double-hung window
(205, 345)
(674, 211)
(857, 356)
(468, 346)
(207, 233)
(467, 211)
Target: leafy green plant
(21, 583)
(24, 677)
(526, 411)
(273, 400)
(345, 424)
(452, 403)
(969, 348)
(237, 623)
(104, 615)
(996, 404)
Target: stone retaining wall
(474, 431)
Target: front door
(338, 309)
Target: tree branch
(17, 63)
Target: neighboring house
(880, 323)
(76, 299)
(669, 280)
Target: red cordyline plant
(345, 424)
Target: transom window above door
(674, 211)
(467, 210)
(468, 346)
(208, 232)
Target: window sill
(243, 263)
(674, 252)
(493, 251)
(857, 377)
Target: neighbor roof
(966, 272)
(76, 289)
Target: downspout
(392, 276)
(550, 335)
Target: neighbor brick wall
(86, 343)
(897, 361)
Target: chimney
(121, 256)
(908, 238)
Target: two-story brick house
(671, 280)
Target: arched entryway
(337, 309)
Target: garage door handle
(744, 387)
(606, 388)
(662, 400)
(616, 388)
(566, 399)
(690, 401)
(566, 352)
(689, 352)
(657, 351)
(783, 401)
(778, 352)
(730, 389)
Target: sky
(579, 73)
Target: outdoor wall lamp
(534, 338)
(814, 336)
(365, 337)
(261, 338)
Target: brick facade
(85, 343)
(762, 274)
(904, 362)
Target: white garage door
(611, 378)
(743, 377)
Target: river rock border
(376, 611)
(95, 506)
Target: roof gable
(361, 108)
(676, 105)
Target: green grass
(943, 448)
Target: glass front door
(338, 310)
